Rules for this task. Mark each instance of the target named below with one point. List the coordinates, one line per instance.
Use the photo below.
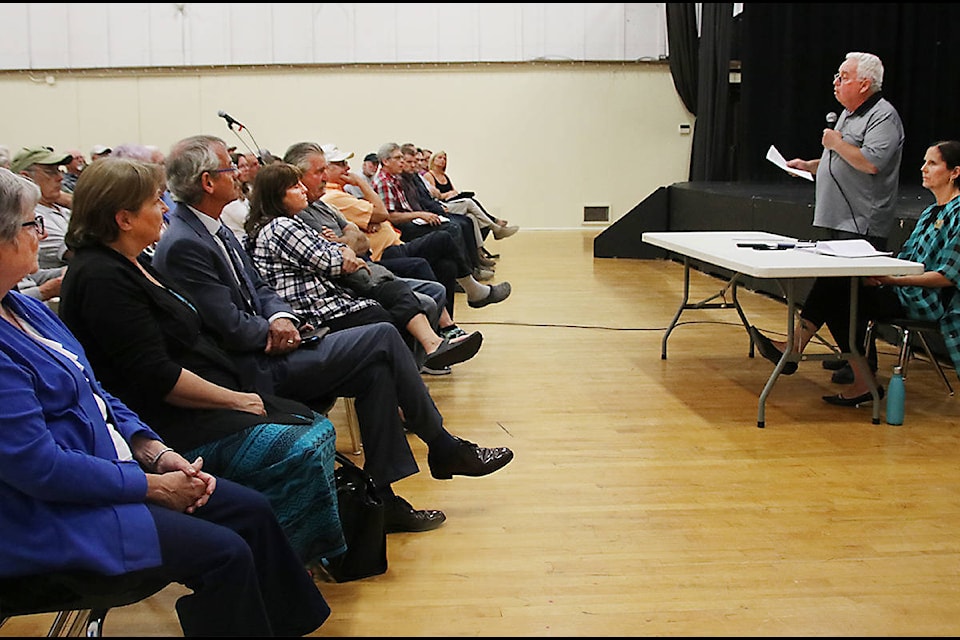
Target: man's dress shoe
(467, 459)
(399, 515)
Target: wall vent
(596, 213)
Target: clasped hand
(180, 485)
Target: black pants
(828, 303)
(246, 579)
(445, 258)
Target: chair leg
(936, 363)
(904, 351)
(80, 623)
(353, 424)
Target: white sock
(475, 290)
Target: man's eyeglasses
(231, 169)
(838, 79)
(37, 224)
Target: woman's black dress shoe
(840, 401)
(769, 351)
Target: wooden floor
(643, 499)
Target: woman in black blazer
(148, 345)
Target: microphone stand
(240, 127)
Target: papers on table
(846, 249)
(776, 158)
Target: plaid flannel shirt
(302, 267)
(935, 242)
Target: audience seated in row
(86, 486)
(152, 351)
(260, 332)
(305, 268)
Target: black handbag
(361, 516)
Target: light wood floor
(643, 499)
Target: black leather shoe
(769, 351)
(843, 376)
(468, 460)
(399, 516)
(834, 365)
(840, 401)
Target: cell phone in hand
(313, 336)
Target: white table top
(720, 248)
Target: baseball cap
(371, 157)
(29, 156)
(333, 154)
(99, 150)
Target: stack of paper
(846, 249)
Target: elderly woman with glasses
(85, 485)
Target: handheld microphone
(831, 119)
(230, 121)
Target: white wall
(536, 142)
(61, 35)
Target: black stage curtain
(684, 46)
(790, 51)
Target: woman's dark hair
(105, 187)
(950, 152)
(269, 189)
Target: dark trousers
(828, 303)
(372, 364)
(245, 577)
(446, 260)
(398, 305)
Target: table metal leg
(683, 305)
(786, 357)
(860, 358)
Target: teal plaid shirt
(935, 242)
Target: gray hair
(869, 68)
(386, 150)
(17, 196)
(298, 154)
(4, 156)
(187, 161)
(133, 151)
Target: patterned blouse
(935, 242)
(301, 266)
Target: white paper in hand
(777, 158)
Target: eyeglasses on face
(231, 169)
(37, 224)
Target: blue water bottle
(895, 398)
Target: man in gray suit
(370, 363)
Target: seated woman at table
(148, 344)
(85, 485)
(932, 295)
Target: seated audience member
(259, 330)
(99, 151)
(43, 284)
(932, 295)
(146, 341)
(4, 156)
(73, 169)
(86, 486)
(464, 211)
(303, 267)
(42, 166)
(235, 213)
(152, 154)
(324, 218)
(436, 177)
